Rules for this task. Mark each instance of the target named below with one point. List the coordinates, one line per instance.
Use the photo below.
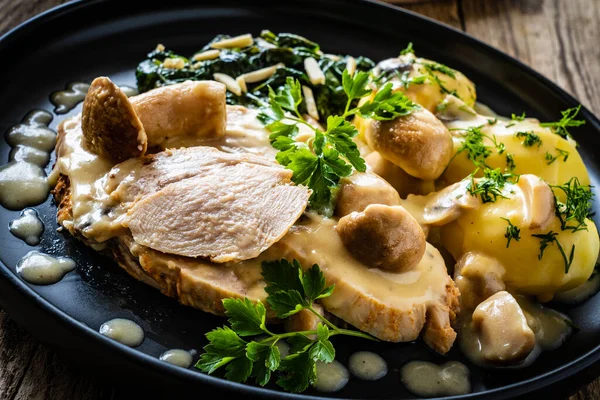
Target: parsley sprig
(567, 121)
(331, 154)
(290, 290)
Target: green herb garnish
(290, 290)
(512, 232)
(530, 139)
(408, 50)
(576, 207)
(561, 153)
(489, 188)
(519, 118)
(476, 150)
(510, 162)
(549, 238)
(331, 154)
(568, 120)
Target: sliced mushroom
(418, 143)
(502, 330)
(478, 277)
(538, 201)
(448, 204)
(188, 109)
(110, 125)
(362, 189)
(384, 237)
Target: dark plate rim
(516, 389)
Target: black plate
(80, 41)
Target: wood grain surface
(559, 38)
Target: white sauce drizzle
(367, 365)
(28, 227)
(65, 100)
(178, 357)
(42, 269)
(23, 181)
(331, 377)
(123, 331)
(430, 380)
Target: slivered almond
(174, 63)
(207, 55)
(311, 105)
(315, 75)
(261, 74)
(351, 65)
(229, 83)
(237, 41)
(240, 81)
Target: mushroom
(110, 125)
(418, 143)
(502, 330)
(538, 201)
(362, 189)
(384, 237)
(404, 183)
(477, 277)
(448, 204)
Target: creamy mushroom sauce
(23, 181)
(367, 365)
(123, 331)
(65, 100)
(28, 227)
(331, 377)
(430, 380)
(42, 269)
(178, 357)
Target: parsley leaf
(568, 120)
(331, 154)
(387, 106)
(290, 290)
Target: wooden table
(558, 38)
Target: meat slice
(201, 202)
(146, 175)
(110, 126)
(395, 307)
(189, 109)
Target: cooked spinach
(268, 49)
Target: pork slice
(146, 175)
(225, 212)
(395, 307)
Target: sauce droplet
(28, 227)
(331, 377)
(65, 100)
(23, 181)
(367, 365)
(181, 358)
(123, 331)
(426, 379)
(42, 269)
